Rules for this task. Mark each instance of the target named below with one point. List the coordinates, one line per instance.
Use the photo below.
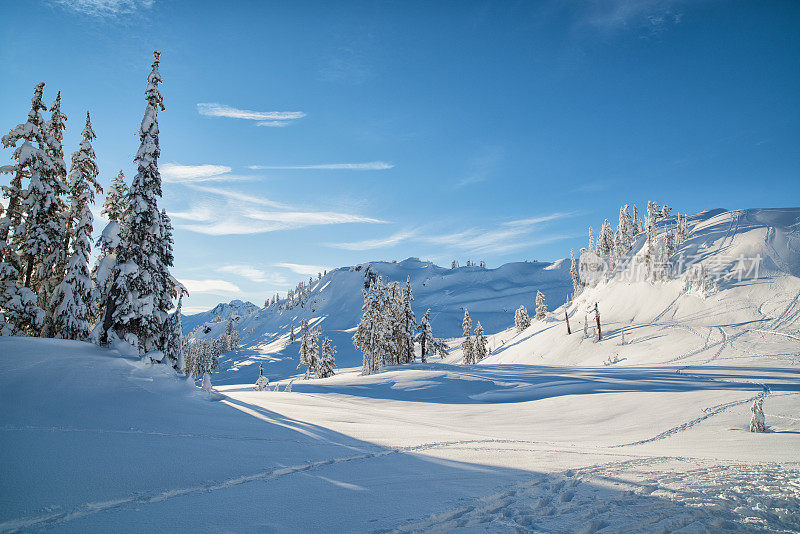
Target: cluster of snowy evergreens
(297, 297)
(201, 355)
(521, 318)
(47, 286)
(388, 329)
(474, 349)
(609, 254)
(319, 359)
(470, 263)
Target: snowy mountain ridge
(334, 304)
(722, 242)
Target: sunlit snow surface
(541, 436)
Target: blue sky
(300, 135)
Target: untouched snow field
(551, 433)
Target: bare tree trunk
(597, 318)
(29, 272)
(566, 317)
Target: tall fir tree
(52, 271)
(309, 349)
(541, 306)
(38, 233)
(605, 240)
(72, 300)
(174, 345)
(574, 274)
(372, 331)
(18, 303)
(327, 359)
(114, 209)
(408, 323)
(139, 303)
(116, 203)
(467, 347)
(623, 237)
(521, 319)
(481, 350)
(637, 223)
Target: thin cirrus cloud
(270, 119)
(541, 219)
(366, 166)
(213, 287)
(308, 270)
(253, 274)
(247, 214)
(371, 244)
(104, 8)
(511, 235)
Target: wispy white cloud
(482, 166)
(308, 270)
(530, 221)
(264, 118)
(254, 274)
(650, 17)
(228, 212)
(371, 244)
(177, 173)
(367, 166)
(480, 240)
(213, 287)
(236, 195)
(508, 236)
(104, 8)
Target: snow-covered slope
(543, 435)
(220, 312)
(334, 304)
(663, 320)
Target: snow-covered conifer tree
(19, 314)
(174, 343)
(309, 349)
(467, 347)
(40, 237)
(427, 342)
(521, 319)
(591, 240)
(424, 335)
(605, 241)
(757, 423)
(19, 310)
(623, 237)
(372, 332)
(327, 360)
(116, 203)
(541, 306)
(114, 209)
(650, 245)
(573, 272)
(408, 322)
(481, 350)
(263, 382)
(393, 319)
(139, 307)
(637, 223)
(71, 303)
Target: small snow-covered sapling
(757, 420)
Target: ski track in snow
(634, 495)
(708, 412)
(92, 508)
